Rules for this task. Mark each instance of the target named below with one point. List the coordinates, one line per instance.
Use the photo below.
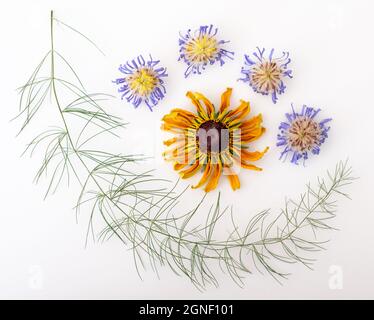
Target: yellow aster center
(201, 49)
(143, 81)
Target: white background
(331, 47)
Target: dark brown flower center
(212, 136)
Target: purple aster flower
(142, 81)
(265, 74)
(201, 47)
(302, 134)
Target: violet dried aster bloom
(200, 48)
(302, 134)
(265, 74)
(142, 81)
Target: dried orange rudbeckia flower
(214, 141)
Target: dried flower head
(212, 140)
(142, 81)
(302, 133)
(200, 48)
(265, 74)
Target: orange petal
(234, 181)
(171, 153)
(250, 166)
(197, 104)
(186, 156)
(170, 141)
(225, 99)
(251, 123)
(177, 153)
(184, 113)
(178, 166)
(172, 128)
(204, 178)
(175, 120)
(244, 164)
(223, 114)
(233, 178)
(239, 113)
(209, 106)
(253, 156)
(255, 129)
(190, 171)
(216, 174)
(252, 136)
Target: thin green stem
(60, 109)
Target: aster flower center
(304, 134)
(266, 76)
(143, 81)
(212, 136)
(201, 49)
